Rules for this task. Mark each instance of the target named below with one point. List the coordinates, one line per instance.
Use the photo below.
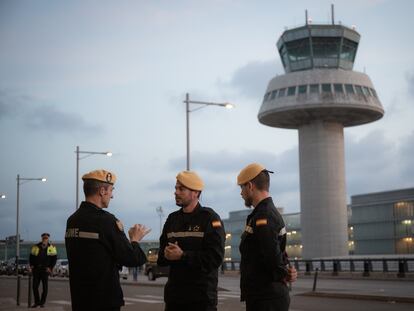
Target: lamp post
(20, 181)
(160, 213)
(187, 102)
(78, 158)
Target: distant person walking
(42, 259)
(97, 247)
(264, 270)
(192, 244)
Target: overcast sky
(112, 75)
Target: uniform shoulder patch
(261, 222)
(120, 225)
(216, 223)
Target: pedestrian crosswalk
(154, 299)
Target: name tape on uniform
(76, 233)
(185, 234)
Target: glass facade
(378, 223)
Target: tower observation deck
(319, 95)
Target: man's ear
(101, 191)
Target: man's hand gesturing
(137, 232)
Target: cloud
(42, 117)
(251, 79)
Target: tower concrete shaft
(322, 190)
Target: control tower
(319, 95)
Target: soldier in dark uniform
(42, 259)
(97, 247)
(192, 244)
(264, 265)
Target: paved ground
(148, 295)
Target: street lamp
(88, 154)
(160, 213)
(187, 102)
(20, 181)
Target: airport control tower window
(326, 47)
(298, 50)
(349, 89)
(314, 88)
(374, 93)
(291, 91)
(338, 88)
(272, 97)
(302, 89)
(282, 92)
(349, 49)
(326, 88)
(358, 90)
(284, 55)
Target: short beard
(248, 202)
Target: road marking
(150, 296)
(61, 302)
(229, 295)
(142, 300)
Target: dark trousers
(40, 274)
(199, 306)
(278, 304)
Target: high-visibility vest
(51, 250)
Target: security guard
(264, 264)
(42, 259)
(97, 247)
(192, 244)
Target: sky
(112, 76)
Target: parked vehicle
(3, 267)
(23, 266)
(61, 268)
(152, 270)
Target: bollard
(29, 289)
(18, 290)
(366, 268)
(384, 265)
(351, 266)
(308, 268)
(402, 268)
(335, 268)
(315, 279)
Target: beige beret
(190, 180)
(101, 175)
(250, 172)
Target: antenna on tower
(306, 17)
(333, 14)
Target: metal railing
(400, 266)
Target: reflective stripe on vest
(35, 250)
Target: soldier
(264, 263)
(42, 259)
(97, 247)
(192, 244)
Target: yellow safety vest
(51, 250)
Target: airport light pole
(20, 181)
(78, 158)
(187, 102)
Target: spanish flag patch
(261, 222)
(216, 224)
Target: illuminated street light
(20, 181)
(2, 196)
(78, 158)
(187, 102)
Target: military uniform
(41, 258)
(97, 248)
(263, 266)
(192, 282)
